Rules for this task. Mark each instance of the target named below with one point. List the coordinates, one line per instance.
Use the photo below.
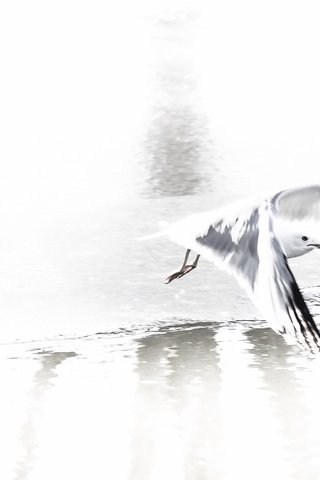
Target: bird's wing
(228, 237)
(242, 241)
(276, 291)
(298, 203)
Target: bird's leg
(175, 275)
(187, 268)
(184, 268)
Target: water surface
(135, 116)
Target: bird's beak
(316, 245)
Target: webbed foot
(186, 269)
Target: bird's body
(252, 240)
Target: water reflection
(221, 397)
(187, 400)
(284, 376)
(177, 150)
(202, 401)
(178, 146)
(42, 382)
(178, 397)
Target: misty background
(115, 117)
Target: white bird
(252, 241)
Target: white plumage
(252, 240)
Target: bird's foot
(179, 274)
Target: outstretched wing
(243, 242)
(298, 203)
(228, 237)
(276, 291)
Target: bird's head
(308, 242)
(299, 238)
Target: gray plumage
(252, 241)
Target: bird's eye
(304, 238)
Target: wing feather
(298, 203)
(228, 237)
(242, 241)
(276, 292)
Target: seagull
(252, 240)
